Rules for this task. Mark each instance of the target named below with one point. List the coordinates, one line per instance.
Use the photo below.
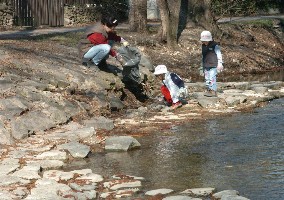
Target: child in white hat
(212, 62)
(172, 87)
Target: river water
(244, 152)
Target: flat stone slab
(6, 169)
(204, 192)
(76, 149)
(118, 184)
(52, 155)
(180, 197)
(94, 178)
(219, 195)
(159, 191)
(121, 143)
(28, 172)
(49, 164)
(7, 180)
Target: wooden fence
(41, 12)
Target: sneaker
(176, 105)
(210, 93)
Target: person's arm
(116, 38)
(220, 66)
(219, 54)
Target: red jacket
(96, 35)
(98, 38)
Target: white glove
(183, 93)
(124, 42)
(220, 67)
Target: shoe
(89, 64)
(103, 64)
(210, 93)
(176, 105)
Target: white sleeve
(218, 53)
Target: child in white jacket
(173, 86)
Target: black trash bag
(131, 57)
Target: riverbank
(31, 164)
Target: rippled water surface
(244, 152)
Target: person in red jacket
(96, 44)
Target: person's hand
(220, 67)
(125, 43)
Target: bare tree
(201, 15)
(169, 11)
(138, 15)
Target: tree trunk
(202, 16)
(137, 15)
(169, 11)
(164, 20)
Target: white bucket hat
(160, 69)
(206, 36)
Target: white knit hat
(160, 69)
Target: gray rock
(28, 172)
(49, 164)
(100, 123)
(5, 195)
(5, 137)
(219, 195)
(58, 175)
(94, 178)
(81, 188)
(207, 102)
(20, 192)
(260, 89)
(117, 184)
(85, 132)
(48, 189)
(121, 143)
(202, 192)
(76, 149)
(26, 125)
(82, 171)
(234, 100)
(6, 169)
(116, 103)
(52, 155)
(180, 197)
(159, 191)
(233, 197)
(6, 180)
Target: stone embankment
(51, 110)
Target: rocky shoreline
(31, 167)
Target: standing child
(173, 88)
(212, 63)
